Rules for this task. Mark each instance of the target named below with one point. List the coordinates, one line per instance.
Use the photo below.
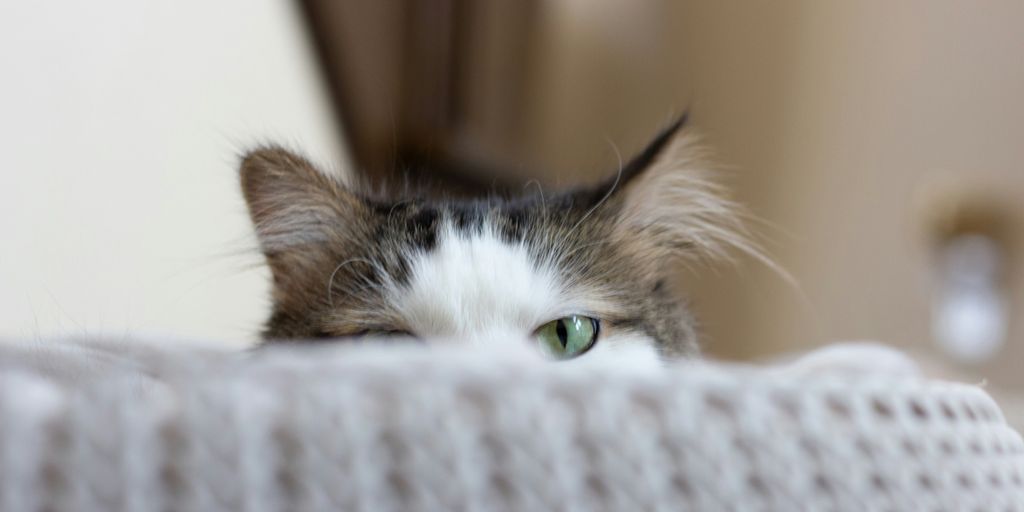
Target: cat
(582, 273)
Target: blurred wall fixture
(970, 311)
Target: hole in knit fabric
(947, 447)
(993, 478)
(964, 481)
(720, 404)
(682, 485)
(757, 484)
(838, 407)
(882, 409)
(947, 411)
(969, 411)
(918, 410)
(879, 482)
(926, 481)
(911, 448)
(823, 484)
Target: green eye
(568, 337)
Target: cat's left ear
(293, 205)
(667, 205)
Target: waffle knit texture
(362, 429)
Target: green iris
(568, 337)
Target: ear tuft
(672, 208)
(290, 201)
(655, 147)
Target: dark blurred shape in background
(433, 87)
(470, 93)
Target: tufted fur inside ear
(670, 207)
(304, 219)
(292, 203)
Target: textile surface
(152, 429)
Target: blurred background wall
(864, 135)
(120, 125)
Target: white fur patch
(479, 289)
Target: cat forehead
(525, 219)
(478, 282)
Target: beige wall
(120, 126)
(833, 120)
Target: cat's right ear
(293, 204)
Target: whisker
(330, 280)
(540, 190)
(615, 184)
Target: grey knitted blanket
(149, 429)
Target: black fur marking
(423, 219)
(646, 157)
(637, 165)
(467, 216)
(425, 239)
(513, 225)
(422, 227)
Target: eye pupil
(563, 333)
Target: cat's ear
(667, 205)
(292, 203)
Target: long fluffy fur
(342, 261)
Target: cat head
(581, 271)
